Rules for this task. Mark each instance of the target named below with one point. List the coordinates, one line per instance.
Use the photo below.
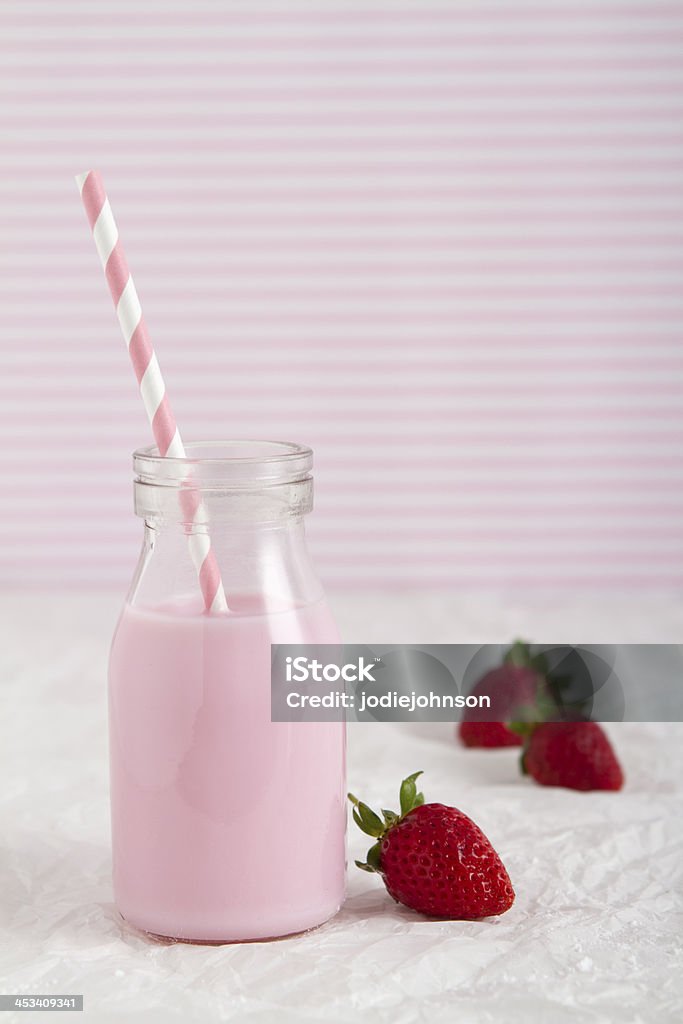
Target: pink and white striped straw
(148, 373)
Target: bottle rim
(244, 462)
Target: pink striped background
(440, 242)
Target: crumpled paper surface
(595, 933)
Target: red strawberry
(511, 687)
(487, 734)
(577, 755)
(434, 859)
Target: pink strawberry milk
(225, 825)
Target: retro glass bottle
(226, 826)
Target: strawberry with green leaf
(433, 858)
(513, 687)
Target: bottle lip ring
(226, 464)
(280, 451)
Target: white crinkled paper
(594, 935)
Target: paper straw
(148, 373)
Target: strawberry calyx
(521, 656)
(547, 704)
(528, 714)
(377, 827)
(528, 719)
(554, 701)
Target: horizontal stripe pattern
(440, 242)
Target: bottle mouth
(226, 464)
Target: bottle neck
(268, 564)
(249, 498)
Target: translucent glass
(226, 826)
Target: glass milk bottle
(225, 825)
